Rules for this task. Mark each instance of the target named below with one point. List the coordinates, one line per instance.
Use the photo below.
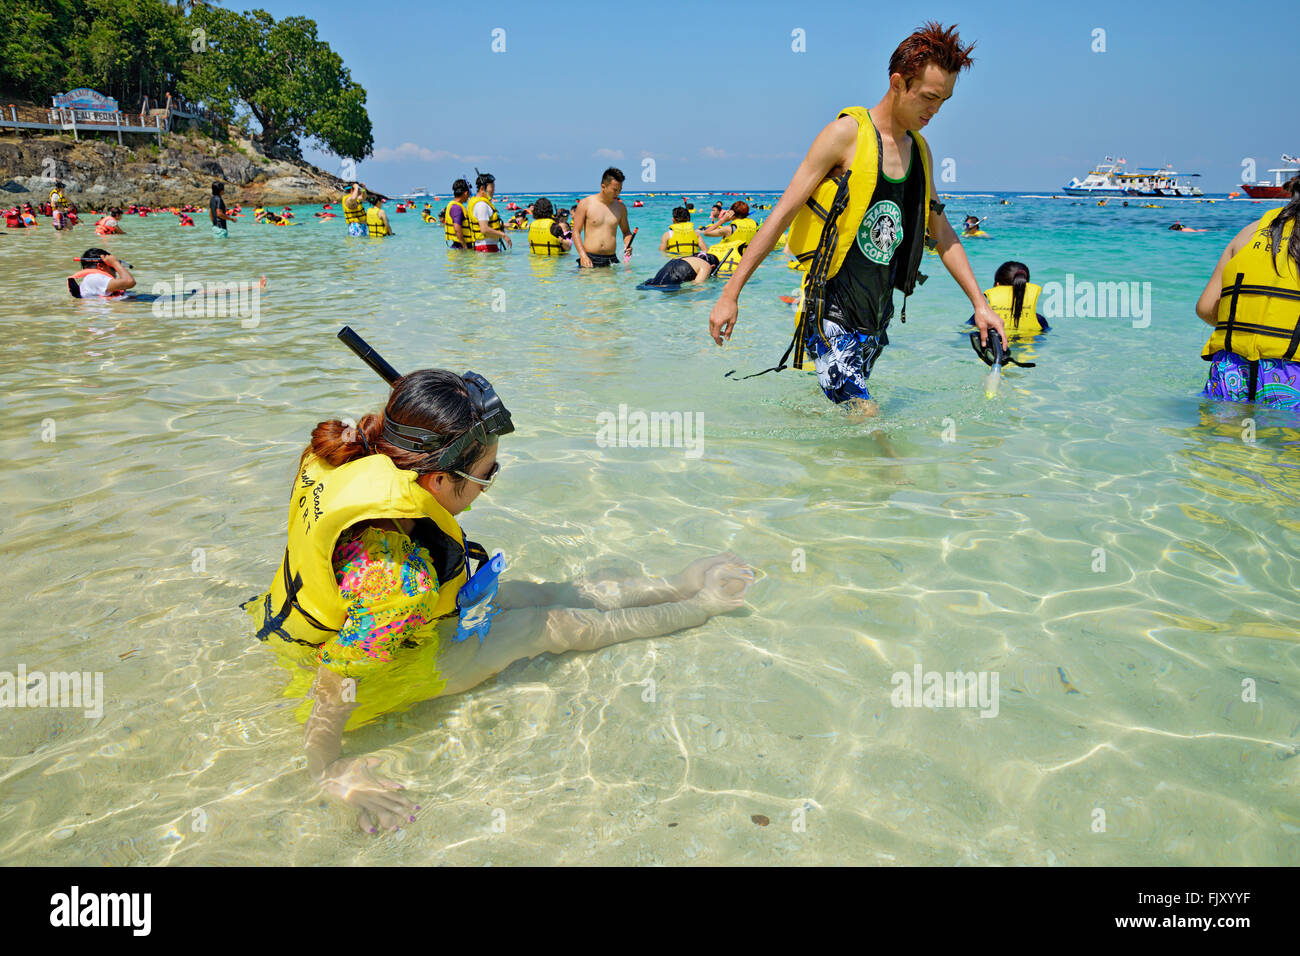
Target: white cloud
(410, 152)
(405, 152)
(712, 152)
(548, 157)
(606, 153)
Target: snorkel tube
(474, 599)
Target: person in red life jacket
(108, 226)
(14, 219)
(186, 220)
(29, 215)
(102, 275)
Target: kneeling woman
(366, 598)
(1253, 302)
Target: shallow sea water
(954, 532)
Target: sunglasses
(485, 482)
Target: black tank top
(863, 289)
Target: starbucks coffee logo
(881, 232)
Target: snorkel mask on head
(493, 417)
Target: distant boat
(1101, 181)
(1110, 179)
(1163, 183)
(1274, 190)
(421, 193)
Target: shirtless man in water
(596, 221)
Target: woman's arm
(1207, 306)
(352, 780)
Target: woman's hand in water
(354, 781)
(724, 587)
(691, 578)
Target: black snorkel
(493, 417)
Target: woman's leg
(607, 593)
(527, 632)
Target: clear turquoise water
(1121, 690)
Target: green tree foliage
(247, 66)
(283, 77)
(33, 46)
(128, 49)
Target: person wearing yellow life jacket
(373, 599)
(456, 229)
(737, 231)
(681, 239)
(102, 276)
(354, 211)
(1015, 300)
(736, 227)
(1253, 302)
(377, 226)
(546, 237)
(59, 206)
(858, 209)
(486, 229)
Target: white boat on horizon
(420, 193)
(1100, 181)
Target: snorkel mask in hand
(994, 353)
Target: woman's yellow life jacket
(376, 225)
(1000, 297)
(745, 230)
(541, 241)
(683, 241)
(1259, 310)
(304, 605)
(827, 225)
(355, 213)
(449, 224)
(476, 234)
(730, 250)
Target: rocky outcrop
(98, 173)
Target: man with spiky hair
(859, 209)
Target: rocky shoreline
(99, 173)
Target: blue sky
(714, 93)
